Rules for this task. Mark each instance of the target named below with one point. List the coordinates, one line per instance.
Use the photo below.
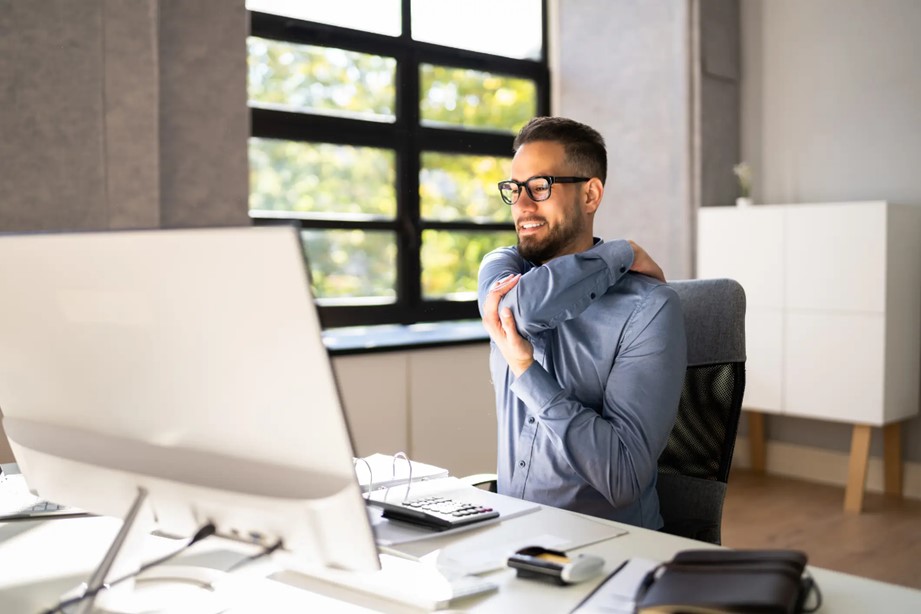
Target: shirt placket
(528, 435)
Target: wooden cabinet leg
(892, 458)
(756, 441)
(857, 469)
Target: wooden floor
(883, 542)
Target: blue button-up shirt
(584, 425)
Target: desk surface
(40, 560)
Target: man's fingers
(508, 322)
(643, 263)
(502, 286)
(491, 313)
(496, 324)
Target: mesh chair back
(694, 468)
(703, 438)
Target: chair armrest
(488, 480)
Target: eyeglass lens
(538, 189)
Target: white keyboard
(17, 502)
(413, 583)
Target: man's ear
(593, 193)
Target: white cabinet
(833, 320)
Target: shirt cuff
(618, 255)
(536, 388)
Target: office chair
(694, 468)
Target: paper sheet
(616, 595)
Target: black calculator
(436, 513)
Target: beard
(555, 242)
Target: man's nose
(525, 202)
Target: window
(380, 129)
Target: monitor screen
(188, 363)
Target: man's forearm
(564, 287)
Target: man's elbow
(628, 487)
(529, 321)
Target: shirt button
(530, 419)
(592, 296)
(622, 269)
(521, 463)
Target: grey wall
(832, 99)
(122, 114)
(661, 82)
(624, 67)
(831, 110)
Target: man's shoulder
(500, 254)
(646, 288)
(634, 297)
(639, 298)
(505, 250)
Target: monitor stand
(163, 588)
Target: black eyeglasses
(538, 187)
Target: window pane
(380, 16)
(475, 99)
(511, 27)
(459, 187)
(451, 261)
(321, 80)
(349, 267)
(328, 181)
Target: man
(588, 351)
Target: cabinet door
(745, 245)
(833, 366)
(375, 398)
(764, 362)
(836, 257)
(453, 409)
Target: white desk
(41, 560)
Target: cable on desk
(254, 557)
(206, 531)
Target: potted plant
(743, 173)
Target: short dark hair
(584, 146)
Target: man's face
(559, 225)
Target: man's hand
(516, 350)
(643, 263)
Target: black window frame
(407, 137)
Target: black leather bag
(720, 581)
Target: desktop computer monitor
(187, 363)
